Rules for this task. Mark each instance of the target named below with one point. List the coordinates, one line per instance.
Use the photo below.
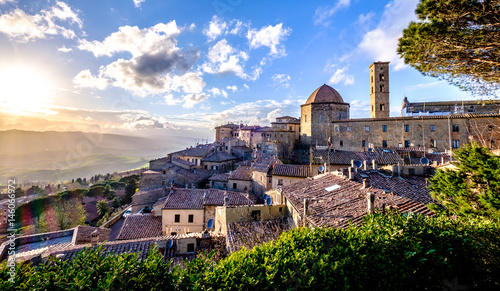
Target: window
(173, 233)
(280, 182)
(384, 128)
(190, 248)
(191, 218)
(281, 209)
(255, 214)
(411, 171)
(433, 143)
(305, 118)
(341, 143)
(433, 128)
(321, 117)
(337, 128)
(384, 143)
(372, 79)
(382, 88)
(363, 143)
(381, 77)
(290, 128)
(348, 128)
(455, 128)
(407, 143)
(367, 128)
(490, 127)
(382, 107)
(471, 109)
(235, 186)
(456, 143)
(177, 218)
(407, 128)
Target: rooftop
(346, 201)
(181, 198)
(241, 173)
(292, 171)
(219, 156)
(220, 177)
(325, 94)
(140, 226)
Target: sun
(23, 90)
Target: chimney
(365, 165)
(94, 238)
(306, 205)
(374, 165)
(226, 201)
(352, 163)
(366, 183)
(351, 174)
(370, 199)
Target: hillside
(50, 155)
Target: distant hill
(51, 155)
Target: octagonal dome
(325, 94)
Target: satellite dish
(358, 164)
(269, 201)
(424, 161)
(210, 223)
(170, 243)
(321, 168)
(370, 150)
(204, 195)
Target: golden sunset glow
(23, 90)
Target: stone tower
(322, 107)
(379, 90)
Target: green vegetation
(456, 40)
(102, 207)
(474, 188)
(388, 252)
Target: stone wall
(158, 164)
(145, 198)
(82, 234)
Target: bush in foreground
(389, 252)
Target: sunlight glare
(23, 90)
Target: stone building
(433, 126)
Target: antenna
(424, 161)
(269, 201)
(210, 223)
(321, 168)
(358, 164)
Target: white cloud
(215, 28)
(85, 79)
(137, 3)
(246, 86)
(64, 49)
(323, 15)
(6, 1)
(217, 92)
(340, 76)
(170, 100)
(191, 100)
(425, 86)
(157, 65)
(234, 88)
(271, 37)
(224, 59)
(281, 80)
(24, 27)
(380, 44)
(146, 122)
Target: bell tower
(379, 90)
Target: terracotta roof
(242, 148)
(338, 157)
(286, 117)
(198, 151)
(219, 156)
(250, 127)
(220, 177)
(347, 202)
(292, 171)
(325, 94)
(181, 198)
(140, 226)
(241, 173)
(229, 125)
(183, 162)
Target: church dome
(325, 94)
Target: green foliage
(130, 190)
(69, 212)
(90, 270)
(102, 207)
(388, 252)
(116, 202)
(456, 40)
(19, 192)
(473, 189)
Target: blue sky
(182, 67)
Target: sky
(180, 68)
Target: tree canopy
(458, 41)
(474, 188)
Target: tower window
(367, 128)
(456, 143)
(363, 143)
(341, 143)
(455, 128)
(382, 88)
(384, 128)
(348, 128)
(407, 143)
(382, 107)
(382, 77)
(433, 128)
(407, 128)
